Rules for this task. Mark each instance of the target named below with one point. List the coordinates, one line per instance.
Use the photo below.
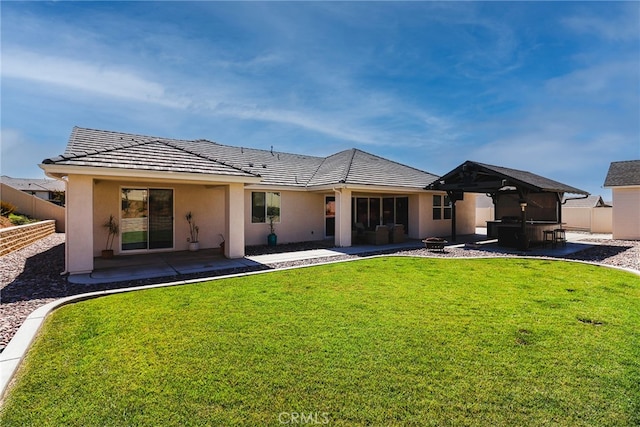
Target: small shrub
(7, 208)
(17, 219)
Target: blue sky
(548, 87)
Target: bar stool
(549, 238)
(559, 236)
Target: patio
(173, 264)
(177, 264)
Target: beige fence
(594, 220)
(33, 206)
(14, 238)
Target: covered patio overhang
(525, 204)
(93, 192)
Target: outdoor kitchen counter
(506, 232)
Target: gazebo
(527, 206)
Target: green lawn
(384, 341)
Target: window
(441, 208)
(373, 211)
(264, 206)
(330, 216)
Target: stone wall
(14, 238)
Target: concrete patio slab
(173, 264)
(148, 266)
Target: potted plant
(222, 244)
(194, 245)
(272, 238)
(112, 229)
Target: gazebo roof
(475, 177)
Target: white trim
(58, 171)
(371, 188)
(615, 187)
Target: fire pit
(434, 243)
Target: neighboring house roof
(107, 149)
(33, 184)
(623, 174)
(483, 178)
(588, 202)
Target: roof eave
(369, 188)
(60, 171)
(621, 186)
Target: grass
(385, 341)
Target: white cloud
(104, 80)
(624, 26)
(602, 81)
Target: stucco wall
(466, 215)
(626, 213)
(421, 208)
(302, 215)
(301, 219)
(483, 215)
(206, 203)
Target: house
(623, 178)
(149, 184)
(46, 189)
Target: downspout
(565, 201)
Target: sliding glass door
(373, 211)
(146, 218)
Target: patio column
(234, 232)
(79, 233)
(343, 217)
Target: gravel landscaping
(31, 277)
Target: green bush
(7, 208)
(17, 219)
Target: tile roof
(33, 184)
(97, 148)
(588, 202)
(94, 148)
(623, 173)
(534, 180)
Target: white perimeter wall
(594, 220)
(33, 206)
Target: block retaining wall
(14, 238)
